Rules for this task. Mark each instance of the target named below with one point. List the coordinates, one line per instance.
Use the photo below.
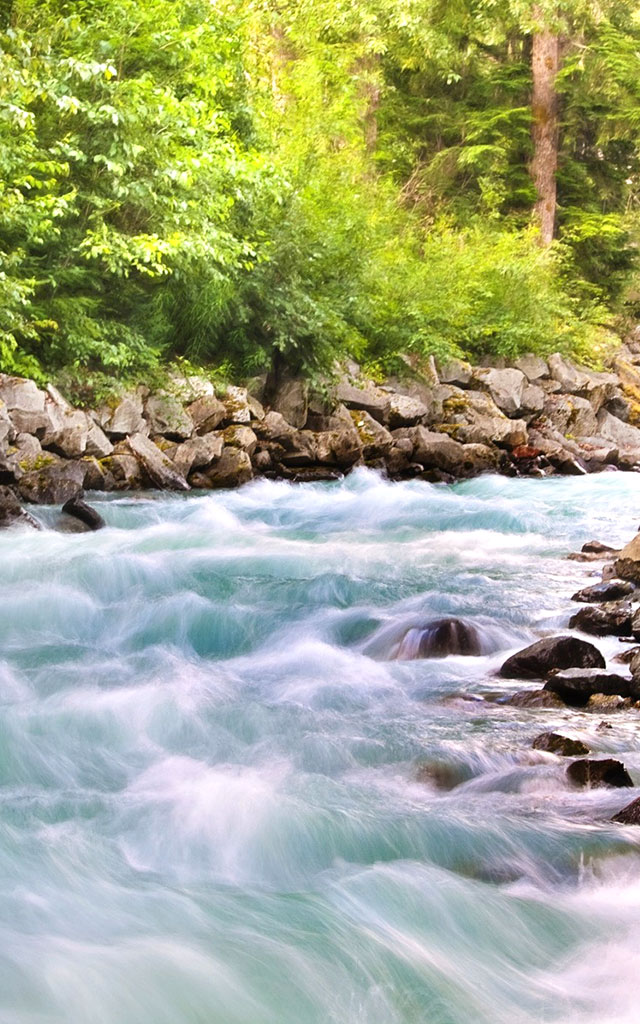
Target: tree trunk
(545, 62)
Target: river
(210, 806)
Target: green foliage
(239, 185)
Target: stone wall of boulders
(536, 417)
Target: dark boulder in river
(79, 509)
(554, 743)
(556, 652)
(629, 815)
(607, 620)
(577, 685)
(607, 772)
(615, 590)
(440, 638)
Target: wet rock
(11, 511)
(53, 482)
(158, 467)
(629, 815)
(534, 699)
(207, 413)
(439, 639)
(232, 469)
(576, 685)
(607, 772)
(554, 743)
(166, 416)
(372, 400)
(615, 590)
(557, 652)
(79, 509)
(609, 619)
(310, 474)
(118, 472)
(628, 657)
(599, 702)
(596, 547)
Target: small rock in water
(554, 743)
(607, 772)
(596, 547)
(605, 620)
(608, 702)
(442, 774)
(534, 699)
(629, 815)
(79, 509)
(557, 652)
(613, 591)
(440, 638)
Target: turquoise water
(210, 810)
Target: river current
(211, 805)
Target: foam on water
(211, 808)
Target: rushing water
(210, 806)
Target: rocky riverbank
(536, 417)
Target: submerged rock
(577, 685)
(554, 743)
(440, 638)
(79, 509)
(443, 775)
(556, 652)
(534, 699)
(629, 815)
(607, 772)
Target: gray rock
(534, 699)
(206, 413)
(472, 417)
(571, 414)
(457, 372)
(432, 450)
(124, 418)
(19, 394)
(67, 432)
(405, 411)
(622, 434)
(291, 400)
(118, 472)
(166, 416)
(197, 453)
(506, 387)
(533, 399)
(556, 652)
(232, 469)
(156, 464)
(376, 441)
(627, 566)
(239, 436)
(53, 482)
(341, 448)
(11, 511)
(372, 400)
(80, 510)
(98, 444)
(236, 404)
(533, 367)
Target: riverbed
(212, 809)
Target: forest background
(244, 185)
